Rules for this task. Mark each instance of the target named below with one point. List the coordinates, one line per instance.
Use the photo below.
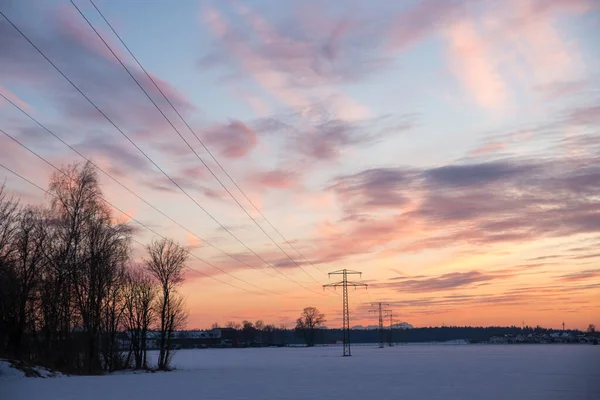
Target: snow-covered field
(402, 372)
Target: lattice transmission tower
(344, 283)
(381, 330)
(391, 334)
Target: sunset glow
(448, 150)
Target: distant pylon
(381, 310)
(391, 334)
(344, 283)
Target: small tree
(259, 325)
(282, 333)
(248, 332)
(233, 325)
(591, 328)
(166, 263)
(140, 294)
(310, 320)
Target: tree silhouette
(310, 320)
(166, 263)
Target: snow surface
(406, 372)
(7, 371)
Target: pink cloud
(260, 108)
(14, 98)
(560, 89)
(531, 29)
(273, 81)
(234, 140)
(488, 148)
(472, 64)
(585, 115)
(275, 179)
(425, 18)
(70, 23)
(192, 242)
(517, 44)
(283, 65)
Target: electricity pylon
(381, 310)
(391, 342)
(344, 283)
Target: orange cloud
(192, 242)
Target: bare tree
(166, 262)
(9, 211)
(268, 334)
(282, 333)
(310, 320)
(176, 320)
(591, 328)
(112, 313)
(140, 294)
(233, 325)
(89, 258)
(9, 218)
(28, 261)
(259, 325)
(248, 332)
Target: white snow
(8, 372)
(407, 372)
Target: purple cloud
(581, 275)
(486, 203)
(443, 282)
(74, 48)
(233, 140)
(308, 50)
(476, 174)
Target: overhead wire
(133, 219)
(109, 175)
(201, 143)
(143, 225)
(147, 156)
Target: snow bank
(10, 371)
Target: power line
(344, 283)
(116, 208)
(148, 157)
(202, 143)
(391, 333)
(381, 311)
(137, 221)
(177, 131)
(131, 191)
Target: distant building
(499, 339)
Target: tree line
(69, 287)
(248, 333)
(310, 331)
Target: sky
(447, 149)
